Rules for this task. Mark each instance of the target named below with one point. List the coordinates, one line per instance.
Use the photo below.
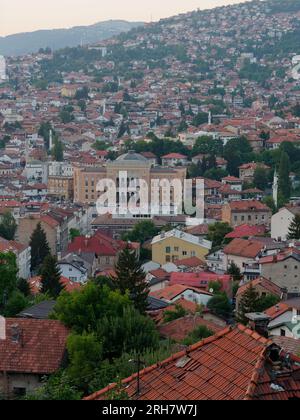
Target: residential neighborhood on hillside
(150, 210)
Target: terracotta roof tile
(41, 348)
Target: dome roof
(131, 156)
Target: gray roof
(132, 156)
(39, 311)
(155, 304)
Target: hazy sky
(28, 15)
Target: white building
(3, 75)
(281, 222)
(36, 171)
(75, 268)
(22, 253)
(61, 169)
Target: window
(282, 333)
(184, 253)
(168, 250)
(168, 258)
(176, 249)
(19, 392)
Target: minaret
(275, 188)
(209, 118)
(50, 140)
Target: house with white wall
(281, 222)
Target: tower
(50, 140)
(209, 118)
(2, 69)
(275, 188)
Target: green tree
(234, 272)
(142, 232)
(261, 178)
(131, 331)
(284, 183)
(294, 229)
(58, 150)
(248, 304)
(57, 387)
(66, 116)
(176, 313)
(8, 226)
(24, 287)
(217, 233)
(216, 286)
(208, 145)
(131, 278)
(8, 277)
(50, 277)
(39, 247)
(220, 305)
(74, 233)
(236, 152)
(85, 354)
(266, 302)
(15, 304)
(201, 332)
(82, 309)
(44, 131)
(200, 118)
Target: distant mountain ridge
(30, 42)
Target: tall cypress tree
(131, 278)
(249, 303)
(284, 176)
(294, 230)
(50, 277)
(39, 247)
(8, 227)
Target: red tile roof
(245, 231)
(171, 292)
(190, 307)
(40, 350)
(244, 248)
(277, 310)
(201, 280)
(99, 244)
(266, 284)
(248, 205)
(174, 156)
(190, 262)
(179, 329)
(233, 365)
(35, 284)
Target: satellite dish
(211, 290)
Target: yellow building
(176, 245)
(68, 92)
(61, 186)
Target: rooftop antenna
(138, 362)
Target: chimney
(259, 322)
